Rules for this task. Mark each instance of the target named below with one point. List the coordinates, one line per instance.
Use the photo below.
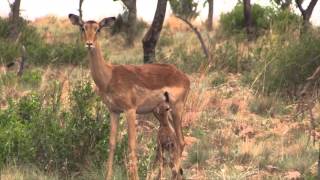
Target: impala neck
(101, 71)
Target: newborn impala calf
(166, 140)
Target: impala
(166, 141)
(132, 89)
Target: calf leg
(175, 164)
(160, 163)
(155, 162)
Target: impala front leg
(114, 117)
(131, 120)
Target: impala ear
(75, 20)
(107, 22)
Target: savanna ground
(233, 129)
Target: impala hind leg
(131, 121)
(112, 143)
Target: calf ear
(107, 22)
(75, 20)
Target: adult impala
(132, 89)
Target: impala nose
(89, 44)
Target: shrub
(187, 60)
(287, 64)
(121, 27)
(199, 153)
(285, 20)
(35, 129)
(15, 139)
(39, 52)
(233, 22)
(226, 57)
(261, 105)
(8, 79)
(31, 78)
(219, 80)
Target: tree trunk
(132, 20)
(150, 40)
(306, 13)
(80, 9)
(14, 19)
(210, 15)
(247, 17)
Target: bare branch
(311, 7)
(299, 5)
(204, 47)
(126, 3)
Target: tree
(14, 18)
(132, 20)
(80, 9)
(306, 13)
(247, 17)
(151, 38)
(210, 15)
(284, 4)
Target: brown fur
(132, 89)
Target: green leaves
(184, 8)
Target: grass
(199, 153)
(15, 172)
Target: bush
(261, 105)
(285, 20)
(121, 27)
(233, 22)
(188, 60)
(227, 57)
(286, 65)
(199, 153)
(39, 52)
(35, 129)
(31, 78)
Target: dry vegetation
(231, 130)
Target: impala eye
(81, 29)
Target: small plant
(227, 57)
(199, 153)
(219, 80)
(261, 105)
(31, 78)
(189, 60)
(8, 79)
